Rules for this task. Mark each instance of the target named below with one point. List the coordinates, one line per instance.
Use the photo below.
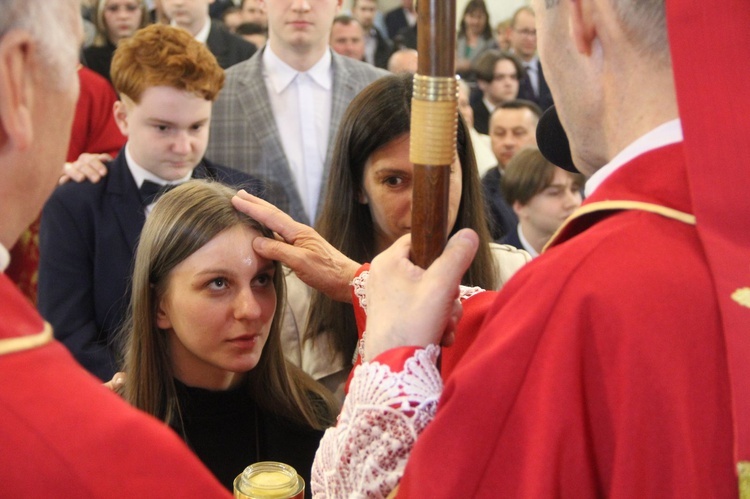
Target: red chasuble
(600, 369)
(64, 435)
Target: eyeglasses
(504, 76)
(526, 32)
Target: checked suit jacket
(244, 134)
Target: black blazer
(87, 242)
(500, 216)
(512, 239)
(99, 59)
(395, 21)
(526, 91)
(228, 48)
(481, 116)
(383, 49)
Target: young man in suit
(167, 82)
(400, 18)
(62, 433)
(278, 113)
(533, 85)
(498, 74)
(542, 196)
(378, 47)
(193, 16)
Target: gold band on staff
(433, 133)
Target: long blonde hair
(182, 222)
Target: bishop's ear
(582, 23)
(17, 89)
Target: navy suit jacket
(526, 91)
(87, 242)
(481, 116)
(500, 216)
(395, 21)
(512, 239)
(228, 48)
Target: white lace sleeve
(359, 284)
(383, 414)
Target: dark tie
(150, 191)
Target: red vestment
(600, 369)
(65, 435)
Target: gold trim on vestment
(21, 343)
(664, 211)
(743, 478)
(742, 296)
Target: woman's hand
(301, 248)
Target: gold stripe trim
(743, 479)
(680, 216)
(21, 343)
(742, 297)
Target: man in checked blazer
(277, 115)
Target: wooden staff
(433, 127)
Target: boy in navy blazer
(167, 82)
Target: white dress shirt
(202, 35)
(665, 134)
(301, 104)
(525, 243)
(4, 258)
(371, 45)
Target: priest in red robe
(615, 365)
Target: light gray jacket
(244, 134)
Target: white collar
(202, 35)
(4, 258)
(663, 135)
(140, 174)
(280, 74)
(526, 244)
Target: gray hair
(49, 24)
(645, 24)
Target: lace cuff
(359, 284)
(383, 414)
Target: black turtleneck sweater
(228, 432)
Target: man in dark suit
(400, 18)
(167, 82)
(498, 74)
(542, 195)
(512, 127)
(377, 47)
(533, 86)
(192, 15)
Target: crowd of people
(221, 269)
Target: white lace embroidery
(383, 414)
(359, 284)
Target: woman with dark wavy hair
(368, 207)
